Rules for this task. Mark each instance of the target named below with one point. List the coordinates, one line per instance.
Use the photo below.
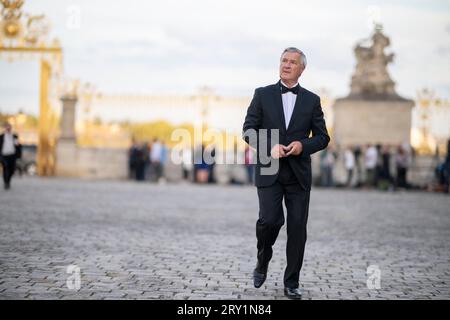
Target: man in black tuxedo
(10, 151)
(292, 113)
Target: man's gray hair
(296, 50)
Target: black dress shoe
(258, 278)
(293, 293)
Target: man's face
(291, 67)
(8, 128)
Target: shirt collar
(287, 85)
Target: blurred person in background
(201, 167)
(10, 151)
(249, 164)
(156, 155)
(401, 164)
(132, 159)
(385, 180)
(349, 163)
(186, 164)
(141, 159)
(370, 161)
(357, 153)
(327, 160)
(447, 168)
(442, 172)
(164, 159)
(379, 166)
(212, 165)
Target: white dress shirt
(288, 104)
(8, 144)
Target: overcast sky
(233, 46)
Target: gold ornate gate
(25, 35)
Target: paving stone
(145, 241)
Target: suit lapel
(298, 105)
(278, 103)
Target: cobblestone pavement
(144, 241)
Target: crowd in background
(377, 166)
(146, 161)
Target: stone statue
(371, 78)
(373, 113)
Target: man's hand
(278, 151)
(294, 148)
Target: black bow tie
(285, 89)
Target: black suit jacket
(266, 112)
(18, 147)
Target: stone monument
(373, 112)
(75, 161)
(67, 149)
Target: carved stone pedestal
(373, 112)
(67, 149)
(359, 122)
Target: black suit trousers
(271, 219)
(9, 166)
